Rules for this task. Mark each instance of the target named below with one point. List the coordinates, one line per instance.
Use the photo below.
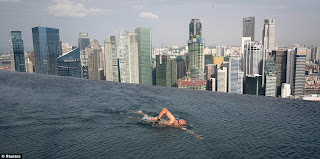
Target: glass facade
(166, 71)
(17, 52)
(46, 45)
(195, 29)
(235, 75)
(70, 64)
(145, 52)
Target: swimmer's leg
(151, 118)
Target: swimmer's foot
(140, 112)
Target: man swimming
(172, 120)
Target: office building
(222, 79)
(291, 54)
(46, 46)
(17, 52)
(166, 74)
(208, 59)
(94, 52)
(83, 41)
(268, 35)
(299, 72)
(281, 63)
(253, 85)
(248, 27)
(128, 57)
(196, 58)
(144, 38)
(111, 71)
(181, 67)
(235, 77)
(195, 29)
(69, 64)
(253, 52)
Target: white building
(253, 52)
(128, 57)
(285, 90)
(222, 80)
(111, 59)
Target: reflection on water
(56, 117)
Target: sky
(297, 21)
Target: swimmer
(180, 123)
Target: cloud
(70, 8)
(148, 15)
(13, 1)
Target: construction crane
(44, 19)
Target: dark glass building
(281, 63)
(166, 74)
(248, 27)
(46, 46)
(17, 52)
(253, 85)
(83, 41)
(181, 67)
(69, 64)
(195, 29)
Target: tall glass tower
(196, 50)
(235, 80)
(46, 46)
(144, 37)
(17, 52)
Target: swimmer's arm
(193, 133)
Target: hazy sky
(297, 21)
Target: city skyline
(94, 17)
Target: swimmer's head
(182, 122)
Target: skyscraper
(166, 74)
(69, 64)
(271, 72)
(235, 78)
(84, 42)
(291, 53)
(144, 37)
(299, 72)
(248, 27)
(281, 61)
(128, 57)
(17, 51)
(196, 58)
(111, 59)
(46, 46)
(95, 56)
(268, 41)
(253, 52)
(195, 29)
(268, 35)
